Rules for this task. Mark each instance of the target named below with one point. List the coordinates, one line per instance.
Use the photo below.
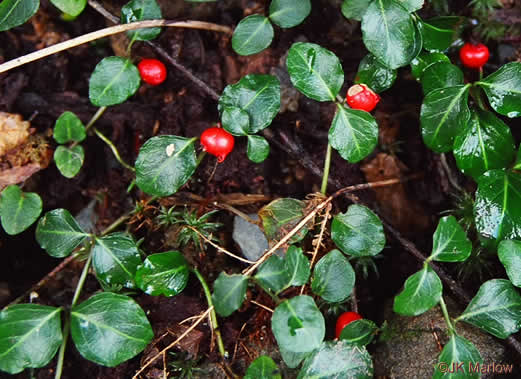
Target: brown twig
(262, 306)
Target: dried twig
(262, 306)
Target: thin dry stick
(237, 212)
(89, 37)
(262, 306)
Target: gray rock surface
(249, 237)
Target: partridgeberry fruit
(152, 71)
(218, 142)
(362, 97)
(474, 56)
(343, 320)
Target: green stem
(476, 95)
(481, 73)
(200, 157)
(327, 165)
(213, 316)
(443, 307)
(129, 48)
(95, 118)
(274, 297)
(114, 150)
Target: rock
(249, 237)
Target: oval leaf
(461, 357)
(289, 13)
(70, 7)
(440, 75)
(69, 160)
(252, 35)
(374, 74)
(503, 89)
(421, 292)
(359, 332)
(411, 5)
(235, 120)
(69, 128)
(280, 216)
(354, 9)
(16, 12)
(139, 10)
(333, 277)
(229, 292)
(297, 265)
(440, 32)
(263, 368)
(18, 210)
(291, 359)
(450, 242)
(315, 71)
(509, 253)
(258, 148)
(424, 60)
(163, 274)
(109, 329)
(272, 275)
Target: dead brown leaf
(17, 175)
(13, 131)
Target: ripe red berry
(362, 97)
(152, 71)
(218, 142)
(343, 320)
(474, 56)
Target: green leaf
(497, 209)
(289, 13)
(450, 242)
(258, 148)
(333, 277)
(256, 95)
(421, 292)
(69, 128)
(517, 165)
(252, 35)
(355, 9)
(280, 216)
(18, 210)
(163, 274)
(509, 253)
(486, 143)
(411, 5)
(109, 329)
(16, 12)
(358, 232)
(297, 265)
(444, 114)
(291, 359)
(440, 32)
(353, 133)
(229, 291)
(69, 160)
(272, 275)
(441, 75)
(164, 164)
(113, 81)
(139, 10)
(496, 308)
(30, 335)
(459, 356)
(389, 33)
(374, 74)
(59, 233)
(298, 325)
(503, 89)
(115, 259)
(315, 71)
(359, 332)
(424, 60)
(338, 359)
(263, 368)
(70, 7)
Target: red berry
(152, 71)
(362, 97)
(343, 320)
(218, 142)
(474, 56)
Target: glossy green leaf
(229, 292)
(59, 233)
(298, 325)
(315, 71)
(424, 60)
(441, 75)
(164, 164)
(16, 12)
(280, 216)
(354, 9)
(358, 232)
(359, 332)
(69, 128)
(258, 148)
(338, 359)
(113, 81)
(389, 33)
(291, 359)
(70, 7)
(263, 368)
(517, 165)
(496, 308)
(497, 209)
(272, 275)
(289, 13)
(109, 329)
(333, 277)
(30, 335)
(503, 89)
(69, 160)
(256, 95)
(140, 10)
(252, 35)
(450, 242)
(353, 133)
(440, 32)
(163, 274)
(421, 292)
(509, 253)
(461, 357)
(374, 74)
(18, 210)
(297, 265)
(115, 258)
(411, 5)
(444, 114)
(486, 143)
